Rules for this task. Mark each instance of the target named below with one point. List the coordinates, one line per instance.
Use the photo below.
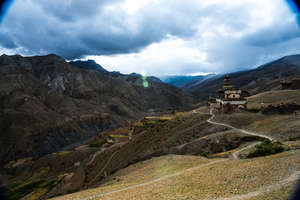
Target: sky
(154, 37)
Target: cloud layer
(157, 37)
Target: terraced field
(184, 177)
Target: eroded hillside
(47, 104)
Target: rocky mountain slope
(186, 177)
(183, 133)
(47, 104)
(45, 115)
(264, 78)
(89, 165)
(89, 64)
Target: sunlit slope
(250, 178)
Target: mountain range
(47, 104)
(263, 78)
(89, 64)
(66, 127)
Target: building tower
(227, 84)
(231, 98)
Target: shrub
(96, 144)
(151, 122)
(268, 147)
(62, 153)
(204, 154)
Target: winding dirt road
(102, 170)
(237, 129)
(235, 155)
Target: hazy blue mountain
(197, 81)
(179, 81)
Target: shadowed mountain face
(46, 104)
(264, 78)
(89, 64)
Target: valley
(47, 104)
(104, 135)
(220, 176)
(149, 100)
(178, 163)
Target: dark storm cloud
(6, 41)
(228, 35)
(70, 10)
(75, 28)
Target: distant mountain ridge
(264, 78)
(180, 81)
(197, 81)
(89, 64)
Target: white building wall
(232, 102)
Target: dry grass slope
(274, 97)
(220, 180)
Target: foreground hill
(47, 104)
(193, 177)
(196, 177)
(119, 161)
(264, 78)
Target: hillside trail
(106, 164)
(237, 129)
(235, 155)
(152, 181)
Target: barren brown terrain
(187, 155)
(221, 176)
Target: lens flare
(145, 82)
(4, 6)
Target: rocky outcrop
(89, 64)
(288, 108)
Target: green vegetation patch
(146, 123)
(165, 118)
(151, 122)
(204, 154)
(35, 188)
(61, 153)
(268, 147)
(118, 136)
(97, 143)
(34, 184)
(22, 191)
